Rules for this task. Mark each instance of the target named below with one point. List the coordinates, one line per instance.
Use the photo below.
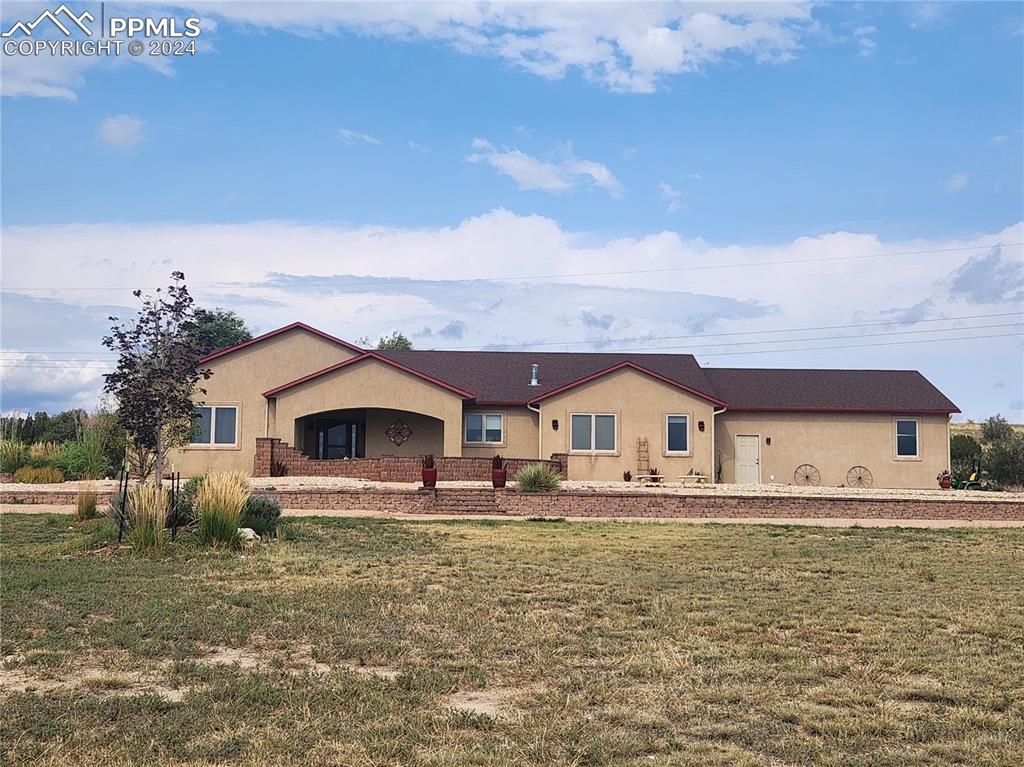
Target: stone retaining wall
(652, 505)
(51, 497)
(598, 504)
(275, 458)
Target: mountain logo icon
(62, 18)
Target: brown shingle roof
(504, 377)
(878, 391)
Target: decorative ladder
(643, 457)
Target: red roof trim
(632, 366)
(368, 356)
(884, 411)
(279, 331)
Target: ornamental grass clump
(85, 503)
(13, 455)
(44, 475)
(147, 517)
(218, 508)
(538, 478)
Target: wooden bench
(650, 479)
(694, 479)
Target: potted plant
(945, 479)
(429, 472)
(499, 474)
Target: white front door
(748, 459)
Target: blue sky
(434, 143)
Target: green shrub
(44, 475)
(538, 478)
(1004, 460)
(963, 451)
(85, 459)
(219, 502)
(13, 455)
(260, 514)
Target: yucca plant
(85, 503)
(538, 478)
(12, 455)
(147, 516)
(219, 502)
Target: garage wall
(834, 443)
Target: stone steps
(465, 501)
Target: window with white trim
(906, 438)
(592, 432)
(485, 428)
(677, 433)
(215, 425)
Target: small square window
(215, 425)
(906, 438)
(484, 428)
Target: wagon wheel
(807, 475)
(859, 476)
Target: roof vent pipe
(533, 375)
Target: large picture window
(593, 433)
(677, 434)
(215, 425)
(485, 429)
(906, 438)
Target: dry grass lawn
(377, 642)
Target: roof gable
(627, 365)
(369, 355)
(273, 334)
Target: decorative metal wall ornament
(398, 432)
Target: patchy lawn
(474, 643)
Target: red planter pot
(945, 483)
(499, 477)
(429, 477)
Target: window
(215, 425)
(677, 434)
(592, 432)
(485, 428)
(906, 438)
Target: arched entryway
(368, 433)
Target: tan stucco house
(603, 414)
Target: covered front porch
(368, 433)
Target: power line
(514, 278)
(636, 339)
(49, 365)
(861, 346)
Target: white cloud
(865, 39)
(672, 196)
(532, 173)
(418, 147)
(361, 281)
(957, 181)
(1002, 138)
(352, 137)
(625, 47)
(121, 131)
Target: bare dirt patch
(495, 702)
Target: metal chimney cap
(534, 368)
